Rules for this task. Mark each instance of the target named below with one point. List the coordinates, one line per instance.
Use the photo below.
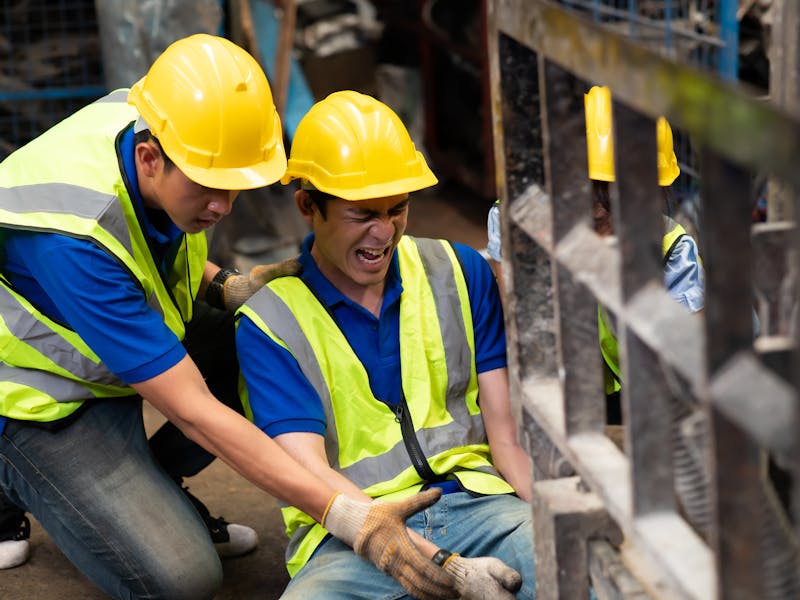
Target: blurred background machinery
(50, 65)
(425, 58)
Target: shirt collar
(330, 295)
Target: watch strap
(214, 295)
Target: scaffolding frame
(687, 507)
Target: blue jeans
(100, 495)
(498, 526)
(109, 499)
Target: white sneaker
(241, 540)
(14, 553)
(230, 539)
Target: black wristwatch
(441, 556)
(214, 290)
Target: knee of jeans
(194, 576)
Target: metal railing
(50, 66)
(700, 498)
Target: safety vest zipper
(415, 453)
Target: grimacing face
(355, 241)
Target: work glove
(238, 288)
(377, 531)
(484, 578)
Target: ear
(148, 158)
(305, 205)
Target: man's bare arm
(509, 457)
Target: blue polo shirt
(284, 401)
(77, 284)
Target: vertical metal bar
(575, 308)
(638, 206)
(564, 140)
(784, 91)
(565, 515)
(526, 265)
(668, 25)
(738, 526)
(632, 17)
(725, 190)
(639, 224)
(729, 33)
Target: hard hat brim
(378, 190)
(255, 176)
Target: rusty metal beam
(726, 117)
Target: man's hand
(238, 288)
(483, 578)
(377, 532)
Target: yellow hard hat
(599, 134)
(668, 169)
(209, 104)
(352, 146)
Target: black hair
(145, 135)
(320, 200)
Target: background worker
(684, 277)
(382, 367)
(102, 223)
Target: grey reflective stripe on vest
(55, 386)
(115, 96)
(66, 199)
(297, 539)
(274, 311)
(24, 326)
(459, 359)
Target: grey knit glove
(377, 531)
(238, 288)
(483, 578)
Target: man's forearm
(232, 438)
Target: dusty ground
(445, 211)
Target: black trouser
(210, 342)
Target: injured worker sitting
(381, 368)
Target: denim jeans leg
(335, 572)
(96, 489)
(499, 526)
(210, 343)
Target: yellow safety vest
(436, 432)
(46, 369)
(608, 341)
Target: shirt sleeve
(87, 289)
(281, 398)
(684, 276)
(487, 311)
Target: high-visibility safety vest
(46, 369)
(436, 432)
(608, 340)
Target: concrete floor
(444, 211)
